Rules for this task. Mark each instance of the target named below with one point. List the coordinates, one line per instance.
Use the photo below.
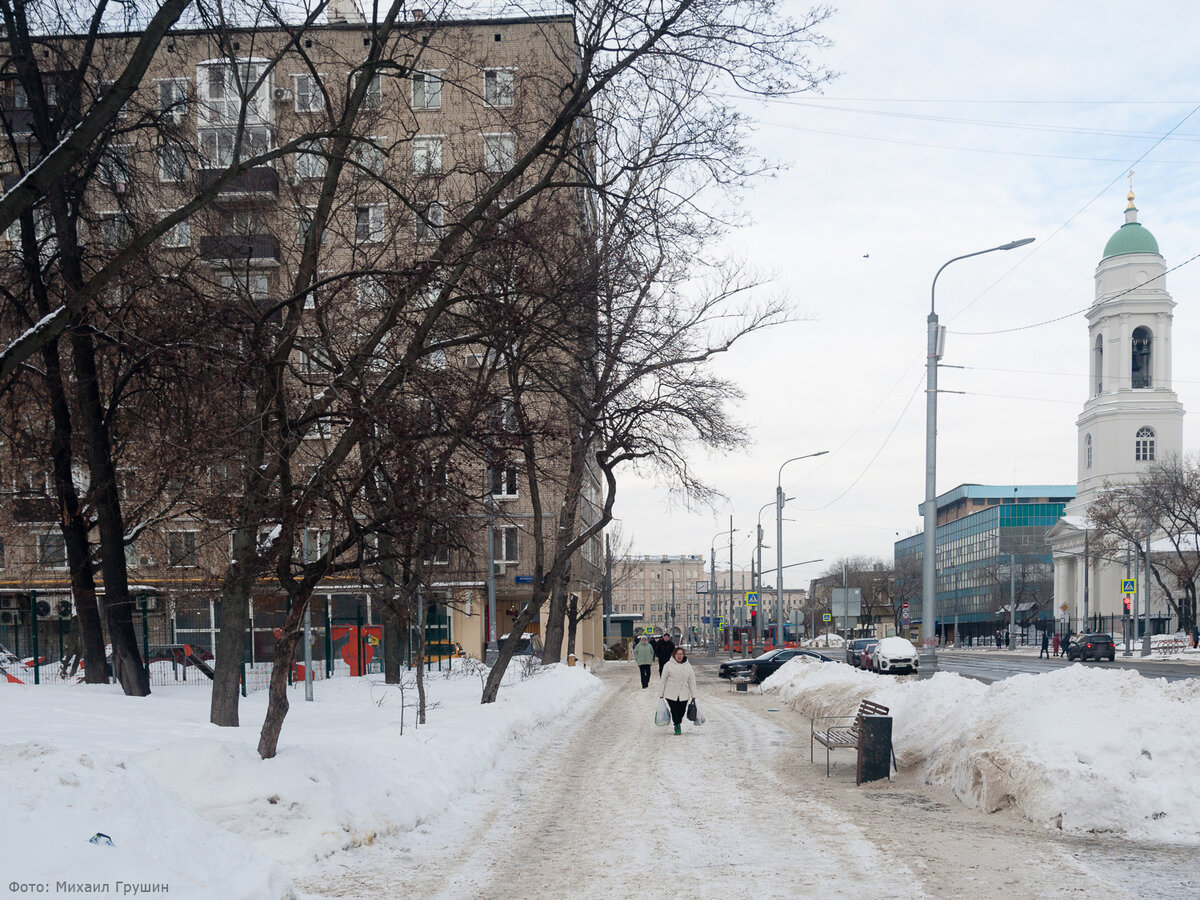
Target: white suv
(895, 655)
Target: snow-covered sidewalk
(191, 806)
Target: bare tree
(1165, 501)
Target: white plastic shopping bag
(662, 715)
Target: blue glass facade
(975, 552)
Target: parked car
(894, 656)
(762, 667)
(855, 648)
(528, 645)
(1093, 646)
(864, 660)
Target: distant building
(990, 544)
(667, 591)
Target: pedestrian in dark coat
(1045, 645)
(663, 651)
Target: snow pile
(192, 806)
(822, 641)
(1083, 749)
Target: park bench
(845, 736)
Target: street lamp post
(936, 338)
(672, 573)
(779, 542)
(714, 602)
(758, 587)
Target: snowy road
(607, 805)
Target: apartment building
(667, 591)
(445, 115)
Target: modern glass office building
(991, 546)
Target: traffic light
(1126, 604)
(754, 619)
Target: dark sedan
(1092, 646)
(766, 665)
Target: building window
(114, 229)
(172, 162)
(428, 223)
(1, 553)
(114, 168)
(503, 479)
(427, 155)
(368, 156)
(181, 549)
(1098, 363)
(310, 161)
(507, 544)
(374, 96)
(178, 235)
(426, 90)
(499, 152)
(1143, 445)
(1088, 445)
(315, 544)
(498, 87)
(368, 223)
(172, 99)
(372, 294)
(1140, 362)
(52, 551)
(307, 92)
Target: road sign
(720, 621)
(826, 617)
(904, 605)
(704, 620)
(1128, 585)
(523, 579)
(1063, 607)
(701, 587)
(752, 599)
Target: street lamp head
(1013, 245)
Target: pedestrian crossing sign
(1128, 585)
(752, 599)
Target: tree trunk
(90, 634)
(235, 617)
(420, 656)
(277, 699)
(491, 687)
(392, 649)
(118, 608)
(556, 622)
(572, 624)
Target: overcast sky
(953, 128)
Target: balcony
(260, 250)
(257, 183)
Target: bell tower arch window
(1088, 450)
(1098, 365)
(1143, 444)
(1139, 374)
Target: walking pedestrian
(1066, 650)
(1057, 642)
(997, 640)
(664, 650)
(1045, 645)
(1195, 637)
(643, 655)
(678, 685)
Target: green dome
(1132, 237)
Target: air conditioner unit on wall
(10, 602)
(498, 568)
(7, 618)
(282, 94)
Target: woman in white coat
(678, 685)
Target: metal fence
(178, 643)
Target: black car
(1092, 646)
(766, 665)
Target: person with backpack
(664, 650)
